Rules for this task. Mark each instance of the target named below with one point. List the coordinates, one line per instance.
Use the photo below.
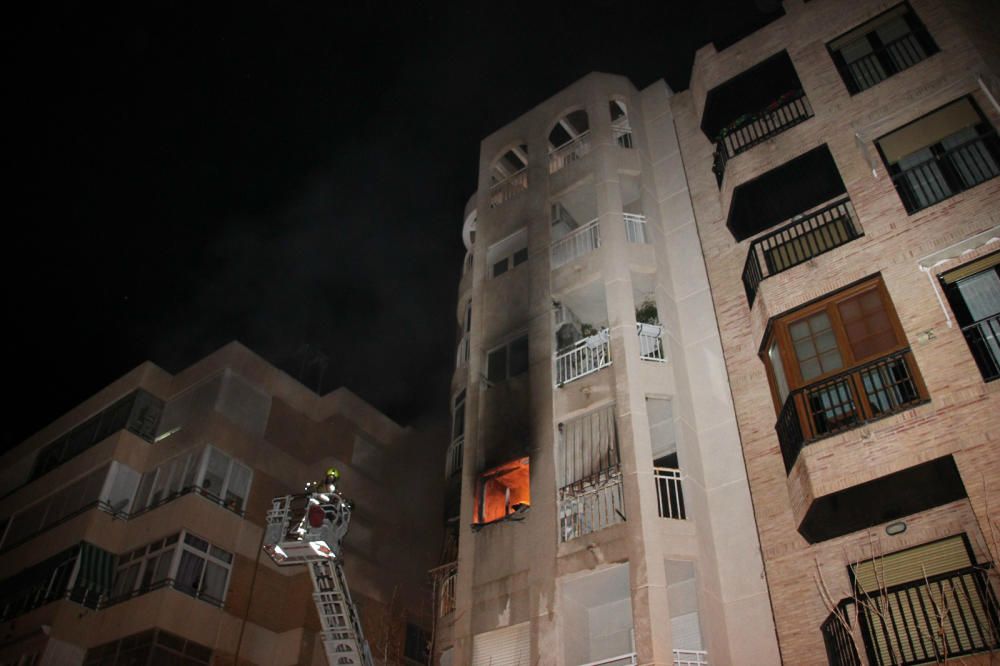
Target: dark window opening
(148, 649)
(417, 643)
(973, 292)
(886, 45)
(503, 492)
(795, 187)
(935, 157)
(509, 360)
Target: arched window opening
(569, 139)
(509, 175)
(620, 128)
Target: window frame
(917, 28)
(192, 478)
(984, 128)
(778, 331)
(507, 346)
(990, 262)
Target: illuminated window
(503, 491)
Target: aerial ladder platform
(309, 529)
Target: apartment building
(598, 505)
(842, 166)
(132, 525)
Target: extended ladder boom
(308, 529)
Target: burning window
(503, 491)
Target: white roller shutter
(686, 632)
(510, 646)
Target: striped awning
(97, 569)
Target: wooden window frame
(779, 330)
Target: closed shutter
(686, 632)
(510, 646)
(447, 656)
(923, 603)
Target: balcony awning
(748, 92)
(778, 195)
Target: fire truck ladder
(342, 636)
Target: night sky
(291, 175)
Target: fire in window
(503, 491)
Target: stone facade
(252, 413)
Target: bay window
(837, 363)
(210, 472)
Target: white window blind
(510, 646)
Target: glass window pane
(189, 573)
(145, 487)
(238, 488)
(220, 554)
(215, 472)
(196, 542)
(162, 571)
(981, 294)
(519, 356)
(214, 585)
(774, 356)
(867, 325)
(496, 365)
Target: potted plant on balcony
(647, 319)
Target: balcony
(690, 658)
(462, 353)
(453, 459)
(984, 341)
(570, 151)
(444, 578)
(508, 188)
(804, 238)
(590, 505)
(635, 228)
(651, 342)
(583, 358)
(751, 129)
(669, 493)
(869, 392)
(575, 244)
(936, 618)
(949, 171)
(753, 106)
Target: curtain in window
(239, 485)
(215, 472)
(189, 573)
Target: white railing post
(635, 228)
(508, 187)
(669, 493)
(586, 356)
(575, 244)
(651, 342)
(690, 658)
(570, 151)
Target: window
(941, 154)
(138, 412)
(148, 649)
(502, 491)
(210, 473)
(889, 43)
(508, 253)
(905, 592)
(837, 363)
(458, 416)
(508, 360)
(81, 573)
(417, 643)
(973, 291)
(111, 487)
(183, 561)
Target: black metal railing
(840, 647)
(799, 241)
(746, 132)
(847, 400)
(949, 172)
(887, 60)
(932, 619)
(983, 337)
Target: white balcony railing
(577, 243)
(627, 659)
(453, 459)
(462, 353)
(446, 598)
(591, 509)
(635, 228)
(622, 133)
(690, 658)
(651, 342)
(570, 151)
(508, 188)
(669, 493)
(586, 356)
